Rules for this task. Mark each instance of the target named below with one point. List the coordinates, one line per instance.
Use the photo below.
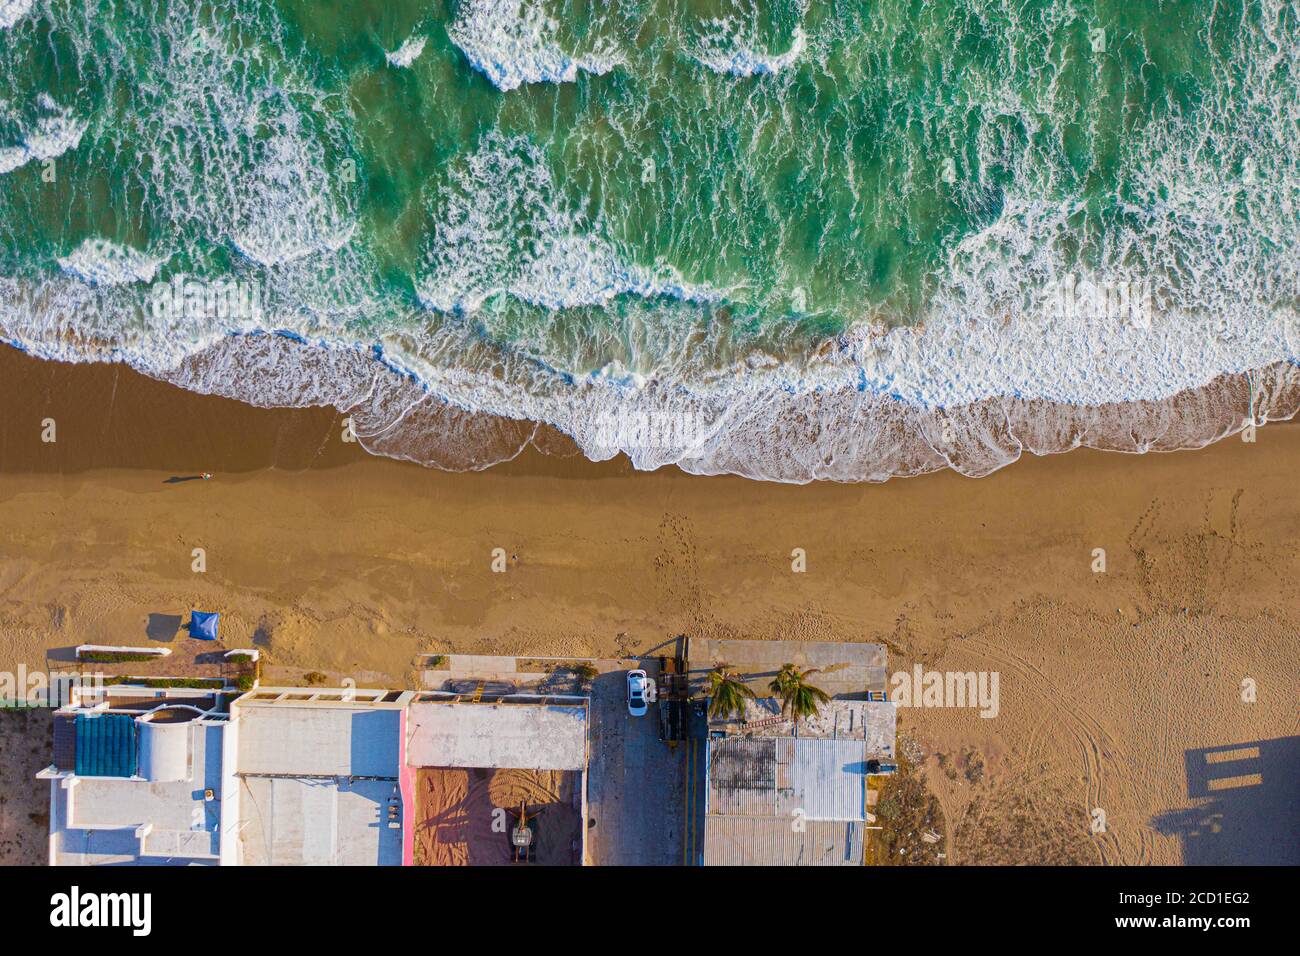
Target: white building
(138, 777)
(178, 776)
(316, 777)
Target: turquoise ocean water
(782, 238)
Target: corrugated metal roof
(772, 841)
(777, 776)
(827, 779)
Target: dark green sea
(781, 238)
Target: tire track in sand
(1096, 745)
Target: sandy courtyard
(463, 817)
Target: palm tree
(727, 692)
(798, 697)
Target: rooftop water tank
(164, 749)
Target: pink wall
(407, 784)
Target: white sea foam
(723, 49)
(1006, 359)
(866, 410)
(222, 134)
(101, 262)
(512, 42)
(502, 227)
(54, 132)
(11, 157)
(290, 206)
(407, 53)
(11, 11)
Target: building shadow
(1246, 805)
(484, 846)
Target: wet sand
(331, 560)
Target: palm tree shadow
(1251, 813)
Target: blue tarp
(203, 625)
(105, 745)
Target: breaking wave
(100, 262)
(502, 229)
(11, 11)
(688, 267)
(52, 133)
(407, 53)
(512, 42)
(722, 51)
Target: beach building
(138, 777)
(779, 794)
(331, 776)
(317, 777)
(279, 775)
(479, 765)
(774, 798)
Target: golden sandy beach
(332, 560)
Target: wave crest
(101, 262)
(512, 42)
(724, 49)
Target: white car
(636, 693)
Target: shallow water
(791, 240)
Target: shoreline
(330, 559)
(875, 438)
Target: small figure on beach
(176, 479)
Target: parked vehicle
(636, 693)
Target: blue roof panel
(105, 745)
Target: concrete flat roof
(843, 669)
(315, 822)
(523, 736)
(337, 740)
